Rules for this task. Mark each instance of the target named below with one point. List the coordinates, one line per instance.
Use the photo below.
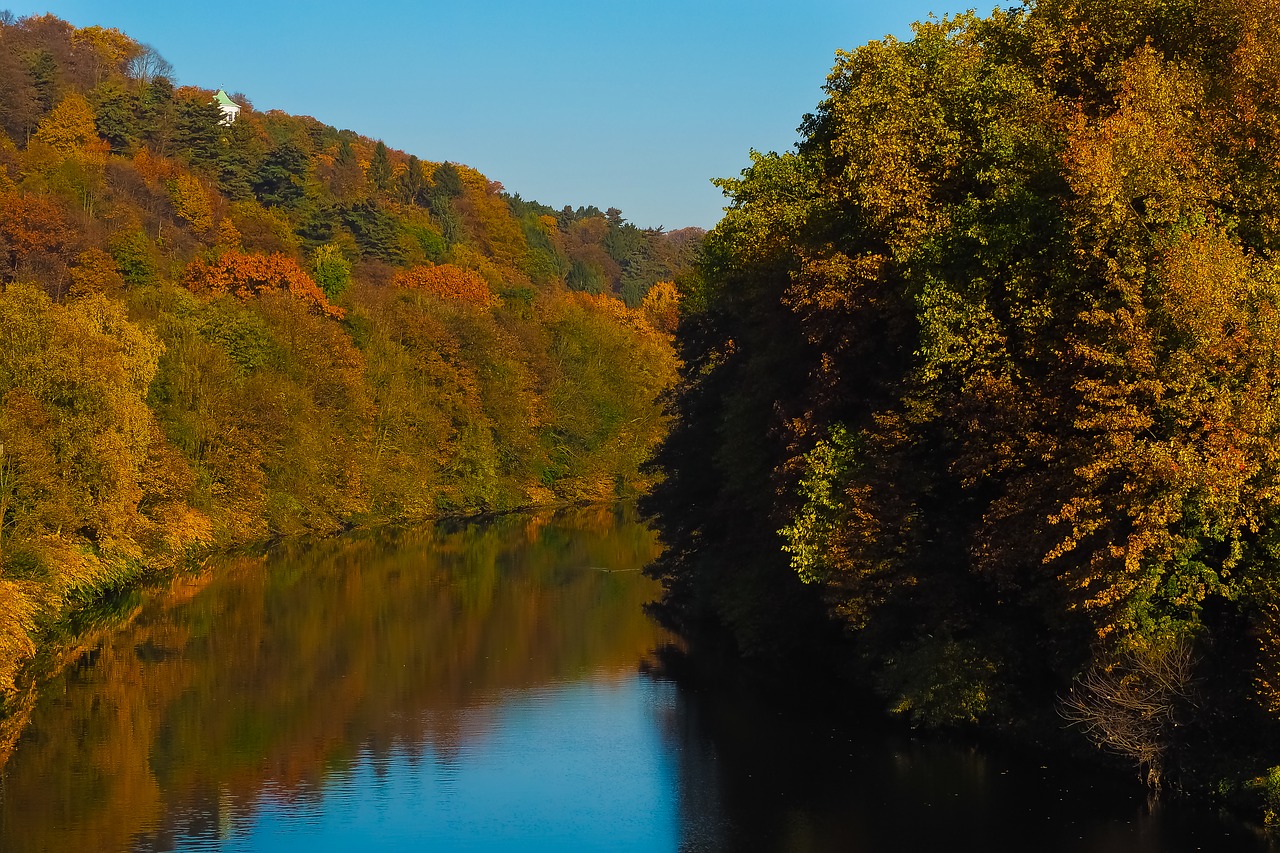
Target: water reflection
(534, 782)
(257, 687)
(480, 687)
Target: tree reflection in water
(266, 676)
(498, 686)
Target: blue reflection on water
(580, 766)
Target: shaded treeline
(985, 376)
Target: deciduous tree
(70, 127)
(246, 276)
(448, 282)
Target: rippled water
(494, 687)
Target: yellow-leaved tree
(87, 484)
(69, 128)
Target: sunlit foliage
(69, 128)
(251, 275)
(214, 333)
(446, 281)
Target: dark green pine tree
(237, 161)
(412, 185)
(380, 168)
(197, 133)
(376, 231)
(156, 119)
(116, 116)
(281, 180)
(446, 185)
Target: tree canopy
(985, 374)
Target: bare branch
(148, 64)
(1131, 707)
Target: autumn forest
(217, 332)
(971, 400)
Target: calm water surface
(496, 687)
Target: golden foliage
(228, 235)
(76, 451)
(69, 128)
(111, 46)
(95, 271)
(497, 234)
(261, 230)
(32, 228)
(611, 306)
(1147, 149)
(19, 608)
(661, 306)
(191, 200)
(153, 168)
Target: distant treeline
(215, 331)
(985, 378)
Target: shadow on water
(763, 769)
(495, 686)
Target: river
(497, 686)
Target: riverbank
(211, 333)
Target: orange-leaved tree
(446, 281)
(245, 275)
(35, 236)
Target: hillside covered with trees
(985, 378)
(216, 331)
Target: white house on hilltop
(230, 109)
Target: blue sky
(629, 105)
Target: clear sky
(634, 105)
